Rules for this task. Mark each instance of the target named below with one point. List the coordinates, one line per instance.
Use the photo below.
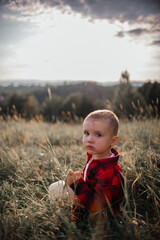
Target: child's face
(98, 138)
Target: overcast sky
(79, 39)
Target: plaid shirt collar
(106, 162)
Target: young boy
(100, 187)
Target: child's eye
(86, 133)
(98, 135)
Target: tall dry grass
(33, 155)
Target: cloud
(122, 10)
(136, 32)
(132, 32)
(152, 31)
(156, 42)
(15, 24)
(142, 15)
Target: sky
(79, 39)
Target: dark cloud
(140, 32)
(156, 42)
(132, 32)
(122, 10)
(111, 9)
(137, 31)
(120, 34)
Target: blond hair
(106, 115)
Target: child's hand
(78, 175)
(73, 176)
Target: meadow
(34, 154)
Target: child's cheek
(84, 142)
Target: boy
(100, 186)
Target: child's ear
(114, 140)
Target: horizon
(43, 83)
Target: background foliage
(72, 102)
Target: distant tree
(52, 108)
(79, 104)
(125, 77)
(128, 102)
(31, 107)
(16, 104)
(151, 93)
(86, 106)
(3, 107)
(70, 105)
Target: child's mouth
(90, 147)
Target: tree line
(124, 99)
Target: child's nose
(90, 138)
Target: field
(35, 154)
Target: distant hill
(95, 90)
(92, 89)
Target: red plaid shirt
(103, 187)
